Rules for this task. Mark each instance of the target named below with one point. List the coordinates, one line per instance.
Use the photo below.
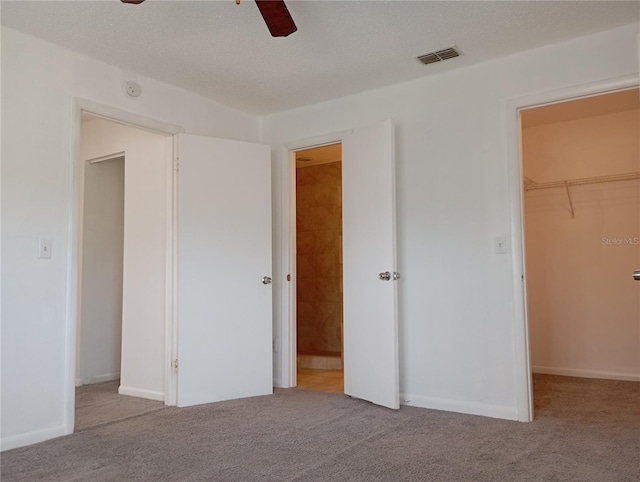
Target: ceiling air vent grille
(439, 56)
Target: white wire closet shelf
(531, 185)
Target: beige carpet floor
(100, 403)
(585, 430)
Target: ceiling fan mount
(274, 12)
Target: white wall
(100, 322)
(588, 147)
(583, 305)
(145, 243)
(456, 307)
(39, 82)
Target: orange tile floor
(321, 380)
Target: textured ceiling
(224, 52)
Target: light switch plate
(44, 248)
(500, 244)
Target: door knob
(266, 280)
(386, 276)
(636, 275)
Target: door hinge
(176, 164)
(175, 365)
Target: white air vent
(439, 56)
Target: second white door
(224, 264)
(369, 266)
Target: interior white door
(369, 258)
(224, 251)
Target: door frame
(287, 344)
(74, 262)
(523, 379)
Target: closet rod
(530, 185)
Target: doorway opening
(100, 329)
(120, 331)
(581, 217)
(319, 298)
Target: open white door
(224, 254)
(369, 264)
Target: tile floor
(331, 381)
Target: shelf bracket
(566, 185)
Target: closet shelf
(530, 185)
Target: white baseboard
(458, 406)
(141, 393)
(576, 372)
(30, 438)
(107, 377)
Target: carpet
(585, 430)
(100, 403)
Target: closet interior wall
(582, 244)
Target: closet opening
(581, 217)
(319, 320)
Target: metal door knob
(386, 276)
(266, 280)
(636, 275)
